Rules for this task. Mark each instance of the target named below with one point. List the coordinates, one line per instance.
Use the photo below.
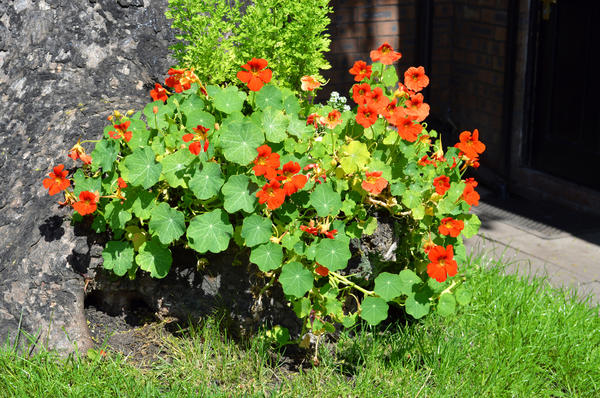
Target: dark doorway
(566, 125)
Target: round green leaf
(118, 257)
(240, 140)
(140, 201)
(191, 104)
(373, 310)
(417, 304)
(174, 166)
(447, 304)
(166, 223)
(408, 279)
(256, 230)
(325, 200)
(229, 99)
(387, 286)
(155, 258)
(355, 156)
(104, 155)
(206, 183)
(116, 215)
(463, 295)
(298, 127)
(269, 96)
(238, 195)
(210, 232)
(275, 124)
(267, 256)
(291, 105)
(141, 168)
(83, 183)
(139, 134)
(472, 224)
(158, 120)
(295, 279)
(333, 254)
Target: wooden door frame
(523, 179)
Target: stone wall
(64, 66)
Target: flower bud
(155, 109)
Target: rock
(64, 66)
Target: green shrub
(219, 35)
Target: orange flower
(121, 183)
(385, 54)
(266, 162)
(388, 111)
(78, 152)
(57, 181)
(407, 128)
(272, 194)
(359, 93)
(441, 184)
(121, 131)
(366, 115)
(201, 135)
(451, 227)
(333, 119)
(470, 144)
(292, 181)
(87, 203)
(442, 263)
(416, 107)
(415, 78)
(159, 93)
(320, 270)
(469, 194)
(309, 83)
(313, 119)
(361, 71)
(374, 183)
(377, 99)
(181, 79)
(255, 75)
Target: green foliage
(216, 167)
(217, 36)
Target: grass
(519, 337)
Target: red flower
(469, 194)
(359, 93)
(366, 115)
(313, 119)
(407, 128)
(87, 203)
(309, 83)
(415, 78)
(385, 54)
(441, 184)
(78, 152)
(200, 135)
(159, 93)
(121, 183)
(388, 111)
(442, 263)
(266, 162)
(374, 183)
(333, 119)
(470, 144)
(451, 227)
(57, 181)
(292, 181)
(272, 194)
(377, 99)
(416, 107)
(361, 71)
(255, 75)
(310, 229)
(121, 131)
(323, 271)
(181, 79)
(424, 161)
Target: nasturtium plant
(290, 183)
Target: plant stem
(346, 281)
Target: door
(566, 125)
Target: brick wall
(359, 26)
(467, 58)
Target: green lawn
(517, 338)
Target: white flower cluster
(336, 101)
